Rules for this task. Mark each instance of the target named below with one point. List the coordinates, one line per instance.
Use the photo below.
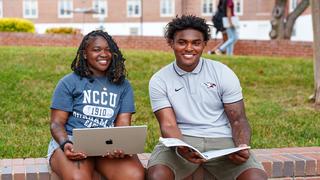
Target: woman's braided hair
(116, 72)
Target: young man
(199, 101)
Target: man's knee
(134, 173)
(253, 174)
(159, 172)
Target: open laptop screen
(99, 141)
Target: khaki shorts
(221, 168)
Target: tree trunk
(277, 22)
(282, 23)
(315, 9)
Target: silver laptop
(99, 141)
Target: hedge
(16, 25)
(63, 30)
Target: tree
(282, 21)
(315, 9)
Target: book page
(217, 153)
(174, 142)
(170, 142)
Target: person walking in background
(200, 102)
(231, 30)
(218, 24)
(98, 82)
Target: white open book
(174, 142)
(234, 20)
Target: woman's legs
(224, 39)
(229, 49)
(229, 44)
(126, 168)
(69, 169)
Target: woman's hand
(70, 154)
(116, 154)
(190, 155)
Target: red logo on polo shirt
(210, 84)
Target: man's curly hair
(187, 22)
(116, 72)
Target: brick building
(146, 17)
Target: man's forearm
(241, 132)
(168, 124)
(170, 131)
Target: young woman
(97, 84)
(231, 31)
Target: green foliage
(275, 91)
(62, 30)
(16, 25)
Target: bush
(16, 25)
(63, 30)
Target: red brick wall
(117, 11)
(243, 47)
(284, 48)
(293, 163)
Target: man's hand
(240, 156)
(190, 155)
(70, 154)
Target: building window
(65, 8)
(134, 31)
(293, 4)
(207, 7)
(100, 6)
(166, 8)
(238, 7)
(1, 9)
(133, 8)
(30, 8)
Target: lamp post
(84, 11)
(101, 20)
(141, 19)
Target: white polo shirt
(197, 97)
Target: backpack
(217, 17)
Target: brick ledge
(279, 163)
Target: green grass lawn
(276, 94)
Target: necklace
(101, 84)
